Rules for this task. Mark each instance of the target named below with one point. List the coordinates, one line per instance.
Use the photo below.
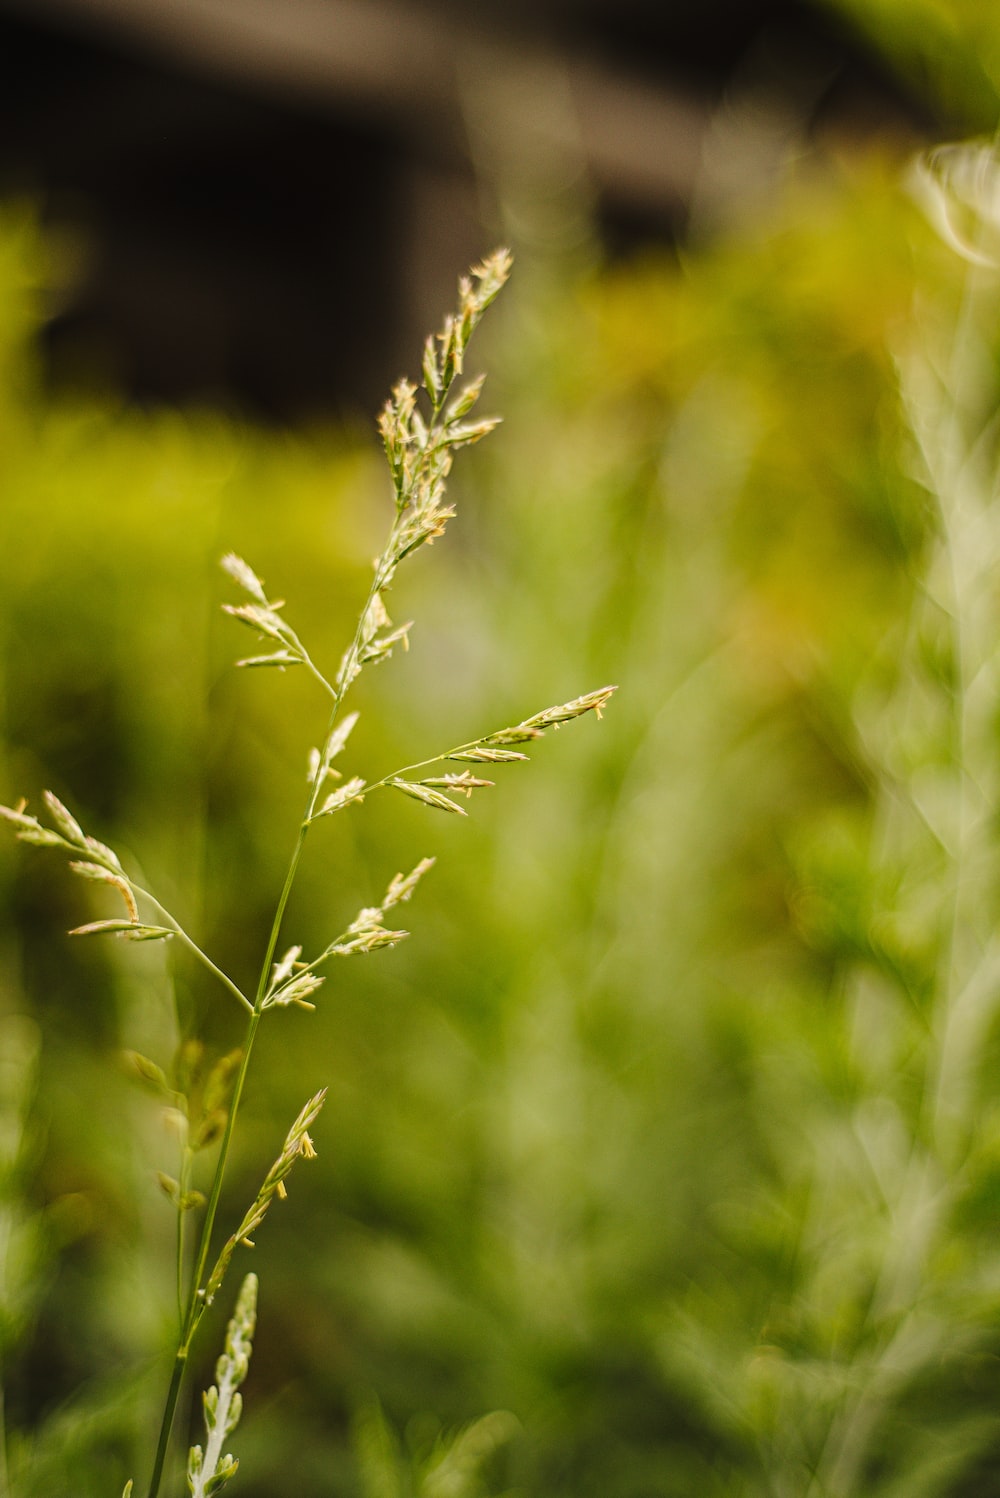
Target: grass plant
(420, 432)
(679, 1139)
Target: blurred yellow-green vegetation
(579, 1123)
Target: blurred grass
(573, 1123)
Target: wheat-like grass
(421, 431)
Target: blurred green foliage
(579, 1126)
(944, 53)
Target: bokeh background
(572, 1121)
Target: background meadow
(618, 1145)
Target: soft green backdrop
(572, 1121)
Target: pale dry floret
(402, 886)
(245, 576)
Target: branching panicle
(263, 616)
(438, 791)
(421, 430)
(298, 1144)
(292, 980)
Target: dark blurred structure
(270, 199)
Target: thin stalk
(183, 1186)
(177, 1373)
(423, 764)
(196, 1304)
(6, 1491)
(317, 675)
(193, 946)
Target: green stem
(183, 1186)
(193, 946)
(6, 1491)
(196, 1302)
(423, 764)
(291, 639)
(317, 674)
(196, 1306)
(177, 1374)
